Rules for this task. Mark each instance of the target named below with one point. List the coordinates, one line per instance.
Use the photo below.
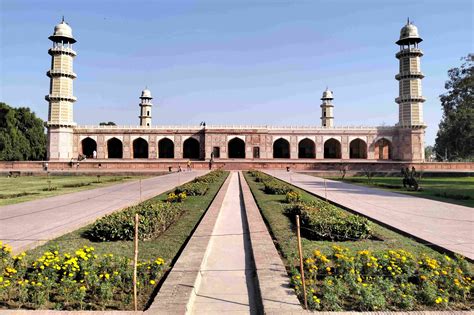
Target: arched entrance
(165, 149)
(88, 147)
(281, 149)
(357, 149)
(114, 149)
(332, 149)
(236, 149)
(383, 149)
(191, 149)
(140, 149)
(306, 149)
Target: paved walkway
(446, 225)
(228, 283)
(28, 224)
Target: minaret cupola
(145, 108)
(327, 109)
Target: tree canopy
(110, 123)
(22, 134)
(455, 138)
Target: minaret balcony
(410, 99)
(61, 73)
(59, 97)
(409, 52)
(60, 124)
(61, 50)
(410, 75)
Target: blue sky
(232, 62)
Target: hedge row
(323, 221)
(154, 218)
(200, 185)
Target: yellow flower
(107, 276)
(152, 281)
(359, 279)
(83, 288)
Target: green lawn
(26, 188)
(457, 190)
(166, 246)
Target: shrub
(322, 221)
(154, 218)
(193, 189)
(209, 177)
(383, 280)
(275, 187)
(172, 197)
(293, 196)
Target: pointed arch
(281, 149)
(88, 147)
(358, 149)
(140, 148)
(332, 149)
(191, 149)
(306, 149)
(383, 149)
(236, 148)
(165, 149)
(114, 149)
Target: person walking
(189, 166)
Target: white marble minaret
(410, 99)
(145, 108)
(61, 99)
(327, 109)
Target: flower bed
(78, 280)
(385, 280)
(386, 272)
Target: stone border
(179, 289)
(273, 280)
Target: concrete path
(443, 224)
(28, 224)
(228, 282)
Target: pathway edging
(179, 288)
(277, 296)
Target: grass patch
(26, 188)
(367, 297)
(456, 190)
(166, 245)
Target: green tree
(22, 135)
(110, 123)
(455, 137)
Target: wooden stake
(325, 191)
(135, 263)
(140, 190)
(301, 260)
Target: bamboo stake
(135, 263)
(301, 261)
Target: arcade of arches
(357, 149)
(140, 149)
(114, 149)
(88, 147)
(306, 149)
(236, 149)
(281, 149)
(191, 149)
(165, 149)
(332, 149)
